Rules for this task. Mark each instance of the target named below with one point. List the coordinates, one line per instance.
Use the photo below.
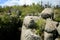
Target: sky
(27, 2)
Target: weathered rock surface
(30, 21)
(48, 36)
(50, 25)
(29, 35)
(47, 13)
(50, 30)
(28, 24)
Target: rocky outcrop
(51, 29)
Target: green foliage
(57, 15)
(30, 9)
(5, 18)
(9, 22)
(40, 26)
(33, 9)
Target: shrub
(57, 15)
(9, 22)
(9, 25)
(40, 26)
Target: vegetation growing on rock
(40, 26)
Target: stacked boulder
(50, 32)
(51, 28)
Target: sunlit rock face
(27, 28)
(50, 25)
(50, 30)
(29, 21)
(29, 35)
(48, 36)
(47, 13)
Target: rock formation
(27, 28)
(51, 31)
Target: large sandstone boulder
(50, 30)
(47, 13)
(50, 25)
(29, 23)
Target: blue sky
(3, 1)
(27, 2)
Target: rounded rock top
(47, 10)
